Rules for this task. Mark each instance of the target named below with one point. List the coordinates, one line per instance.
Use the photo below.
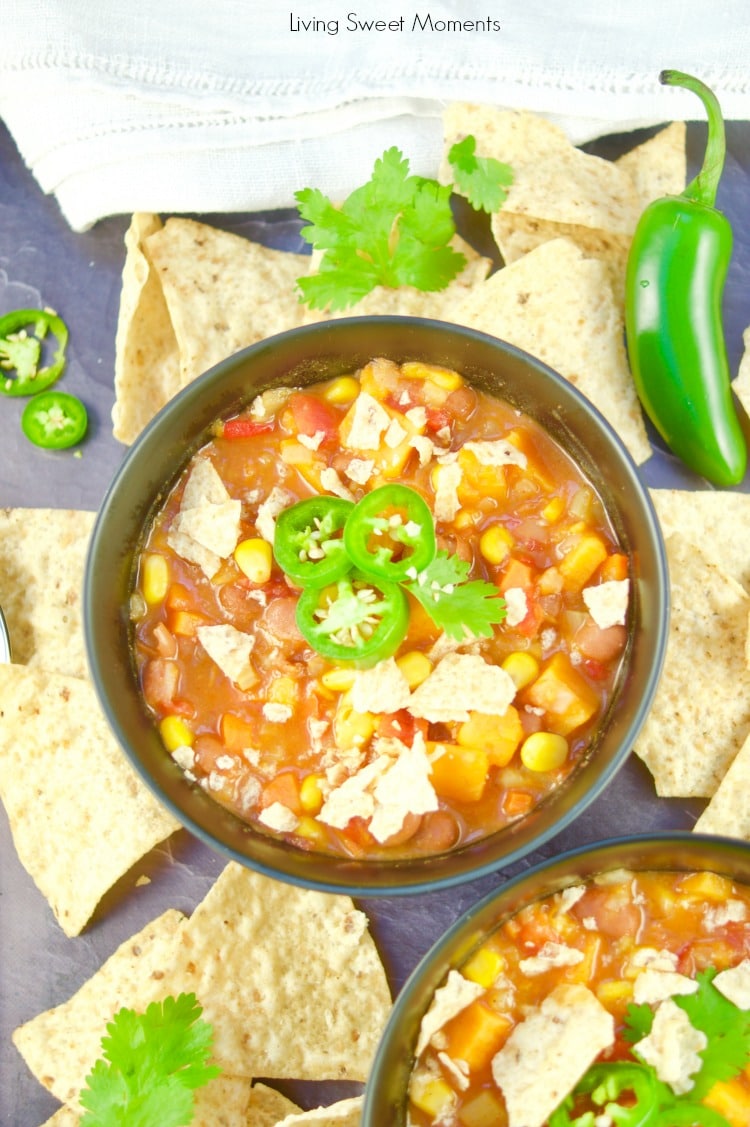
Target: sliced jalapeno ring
(21, 350)
(391, 533)
(308, 542)
(357, 620)
(54, 420)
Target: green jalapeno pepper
(308, 542)
(20, 351)
(391, 533)
(358, 620)
(675, 280)
(54, 420)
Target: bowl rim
(470, 929)
(396, 877)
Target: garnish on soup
(380, 616)
(622, 1001)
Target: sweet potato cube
(236, 733)
(498, 735)
(581, 561)
(565, 696)
(459, 773)
(476, 1034)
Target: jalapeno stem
(704, 187)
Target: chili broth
(269, 727)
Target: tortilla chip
(147, 361)
(68, 791)
(552, 179)
(728, 812)
(741, 383)
(223, 1102)
(345, 1113)
(61, 1045)
(42, 555)
(290, 979)
(558, 305)
(658, 167)
(267, 1107)
(701, 713)
(717, 521)
(223, 292)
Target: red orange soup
(451, 732)
(622, 1000)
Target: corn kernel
(312, 831)
(465, 519)
(544, 751)
(342, 390)
(175, 733)
(351, 728)
(431, 1094)
(415, 667)
(310, 794)
(445, 378)
(255, 559)
(495, 543)
(338, 679)
(730, 1098)
(553, 510)
(154, 578)
(484, 966)
(615, 992)
(522, 668)
(283, 690)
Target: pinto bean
(601, 645)
(280, 621)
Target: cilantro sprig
(151, 1065)
(649, 1101)
(459, 606)
(395, 230)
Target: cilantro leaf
(725, 1025)
(151, 1065)
(393, 231)
(483, 180)
(457, 606)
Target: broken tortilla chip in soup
(223, 292)
(42, 555)
(147, 360)
(60, 766)
(558, 305)
(701, 713)
(61, 1045)
(289, 978)
(728, 812)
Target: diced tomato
(242, 427)
(401, 725)
(312, 415)
(596, 670)
(437, 418)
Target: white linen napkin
(233, 105)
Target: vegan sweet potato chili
(620, 1001)
(383, 615)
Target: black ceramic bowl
(386, 1093)
(304, 356)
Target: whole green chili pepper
(675, 280)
